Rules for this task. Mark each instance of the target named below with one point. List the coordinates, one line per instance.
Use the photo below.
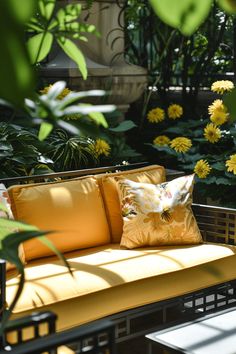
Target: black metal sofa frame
(217, 225)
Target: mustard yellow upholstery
(158, 214)
(108, 184)
(108, 280)
(73, 209)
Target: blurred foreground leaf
(186, 15)
(16, 74)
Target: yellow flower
(222, 86)
(101, 147)
(231, 164)
(174, 111)
(161, 140)
(74, 116)
(219, 117)
(212, 133)
(63, 94)
(218, 112)
(156, 115)
(181, 144)
(202, 169)
(217, 105)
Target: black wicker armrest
(93, 338)
(2, 285)
(217, 224)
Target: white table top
(211, 334)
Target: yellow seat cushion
(109, 187)
(72, 209)
(108, 280)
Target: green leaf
(75, 96)
(7, 224)
(228, 6)
(46, 8)
(220, 166)
(15, 70)
(24, 11)
(186, 15)
(99, 118)
(208, 180)
(44, 130)
(88, 109)
(71, 49)
(176, 130)
(13, 240)
(39, 46)
(222, 180)
(229, 100)
(124, 126)
(166, 149)
(68, 13)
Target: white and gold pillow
(5, 201)
(158, 214)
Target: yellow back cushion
(109, 186)
(73, 209)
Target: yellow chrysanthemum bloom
(231, 164)
(174, 111)
(218, 112)
(161, 140)
(156, 115)
(216, 105)
(202, 169)
(222, 86)
(181, 144)
(212, 133)
(63, 94)
(101, 147)
(219, 117)
(74, 116)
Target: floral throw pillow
(5, 200)
(158, 214)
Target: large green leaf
(186, 15)
(8, 226)
(16, 74)
(71, 49)
(23, 10)
(46, 8)
(39, 46)
(228, 6)
(229, 100)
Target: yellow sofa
(85, 215)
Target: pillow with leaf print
(7, 213)
(158, 214)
